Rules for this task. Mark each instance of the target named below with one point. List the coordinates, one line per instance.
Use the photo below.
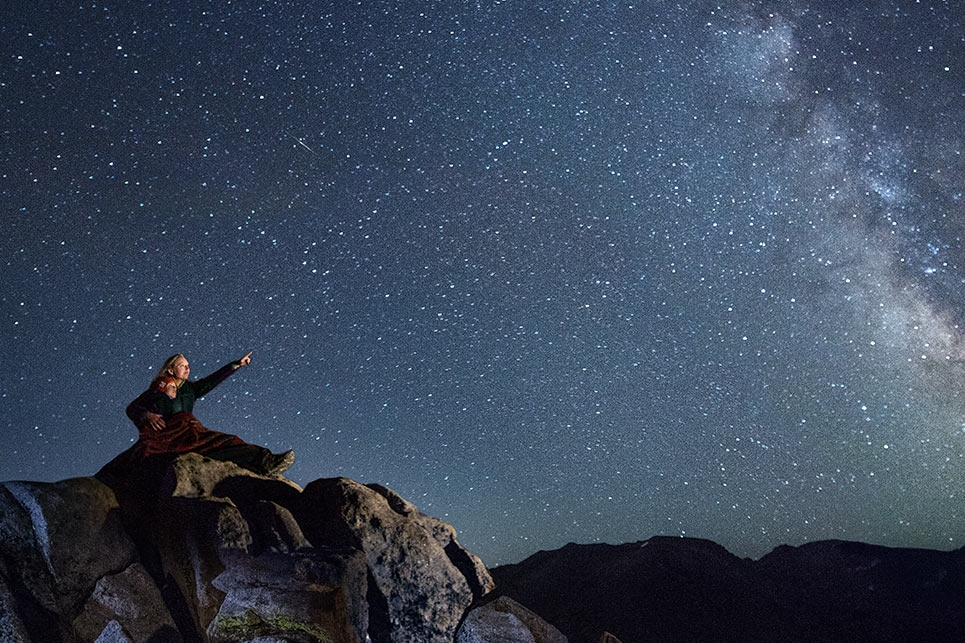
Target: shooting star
(302, 143)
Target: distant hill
(670, 590)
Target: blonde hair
(168, 364)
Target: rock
(130, 601)
(242, 565)
(314, 597)
(275, 529)
(28, 607)
(57, 540)
(422, 580)
(192, 540)
(12, 628)
(192, 550)
(195, 476)
(114, 633)
(27, 570)
(506, 621)
(75, 569)
(486, 625)
(69, 534)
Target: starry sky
(561, 271)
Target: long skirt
(183, 433)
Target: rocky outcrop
(686, 590)
(201, 551)
(64, 556)
(402, 548)
(506, 621)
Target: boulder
(195, 476)
(192, 539)
(22, 564)
(12, 628)
(311, 597)
(275, 529)
(69, 534)
(421, 579)
(113, 632)
(506, 621)
(57, 541)
(241, 565)
(128, 602)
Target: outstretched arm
(205, 384)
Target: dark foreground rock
(204, 551)
(688, 590)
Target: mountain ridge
(670, 589)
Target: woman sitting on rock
(164, 419)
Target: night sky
(561, 271)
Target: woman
(164, 419)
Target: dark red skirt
(183, 433)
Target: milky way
(566, 272)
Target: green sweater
(154, 400)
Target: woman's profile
(163, 415)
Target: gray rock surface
(12, 629)
(506, 621)
(61, 543)
(423, 580)
(69, 535)
(113, 632)
(128, 602)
